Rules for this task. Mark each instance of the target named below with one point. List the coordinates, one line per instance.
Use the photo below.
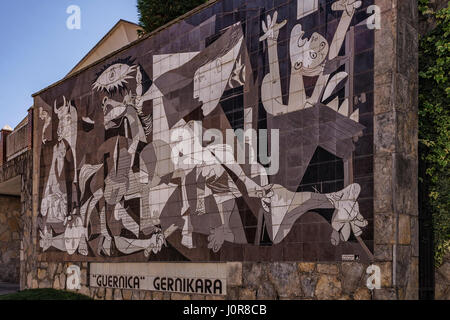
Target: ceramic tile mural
(241, 133)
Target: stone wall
(15, 227)
(10, 233)
(246, 281)
(28, 245)
(22, 166)
(396, 144)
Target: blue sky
(37, 49)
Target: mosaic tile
(141, 155)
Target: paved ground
(6, 288)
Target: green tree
(434, 121)
(156, 13)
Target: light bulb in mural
(114, 77)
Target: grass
(44, 294)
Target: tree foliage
(434, 122)
(156, 13)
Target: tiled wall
(110, 186)
(107, 141)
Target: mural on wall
(164, 160)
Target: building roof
(122, 34)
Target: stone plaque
(193, 278)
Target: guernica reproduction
(124, 172)
(231, 150)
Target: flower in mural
(347, 217)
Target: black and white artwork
(250, 136)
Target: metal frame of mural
(161, 152)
